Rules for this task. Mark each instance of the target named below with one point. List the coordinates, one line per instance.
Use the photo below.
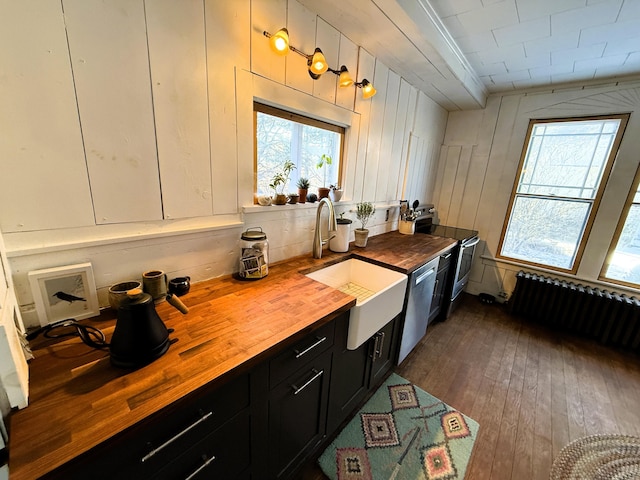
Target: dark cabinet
(298, 415)
(178, 440)
(356, 373)
(298, 395)
(441, 286)
(225, 453)
(383, 349)
(349, 376)
(262, 424)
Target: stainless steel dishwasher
(419, 295)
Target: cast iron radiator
(610, 318)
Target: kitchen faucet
(318, 242)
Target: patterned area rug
(402, 432)
(599, 457)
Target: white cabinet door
(44, 183)
(110, 62)
(177, 52)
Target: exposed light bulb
(318, 63)
(279, 42)
(345, 79)
(367, 89)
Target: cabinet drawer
(193, 419)
(300, 353)
(148, 446)
(225, 453)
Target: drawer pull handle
(444, 257)
(381, 345)
(297, 390)
(308, 349)
(375, 347)
(177, 436)
(206, 463)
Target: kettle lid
(136, 297)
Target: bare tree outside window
(561, 177)
(623, 263)
(282, 136)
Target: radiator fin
(609, 317)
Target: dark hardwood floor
(532, 390)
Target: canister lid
(252, 235)
(343, 221)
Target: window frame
(618, 231)
(595, 203)
(298, 118)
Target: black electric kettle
(140, 336)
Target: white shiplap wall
(142, 127)
(479, 161)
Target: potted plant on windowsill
(364, 211)
(279, 182)
(325, 160)
(303, 189)
(335, 193)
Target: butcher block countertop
(77, 399)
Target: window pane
(545, 231)
(625, 260)
(567, 158)
(279, 139)
(558, 189)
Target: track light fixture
(367, 89)
(344, 78)
(279, 41)
(317, 63)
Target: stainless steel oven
(463, 254)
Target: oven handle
(472, 243)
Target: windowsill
(308, 206)
(565, 276)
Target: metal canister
(254, 254)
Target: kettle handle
(177, 303)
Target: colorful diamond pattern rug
(402, 433)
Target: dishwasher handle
(425, 275)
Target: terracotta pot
(323, 192)
(280, 199)
(302, 195)
(362, 236)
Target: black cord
(91, 336)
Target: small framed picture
(64, 292)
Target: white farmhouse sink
(380, 293)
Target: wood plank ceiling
(459, 51)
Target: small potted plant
(325, 160)
(364, 211)
(303, 189)
(279, 182)
(335, 193)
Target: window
(282, 136)
(623, 261)
(562, 173)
